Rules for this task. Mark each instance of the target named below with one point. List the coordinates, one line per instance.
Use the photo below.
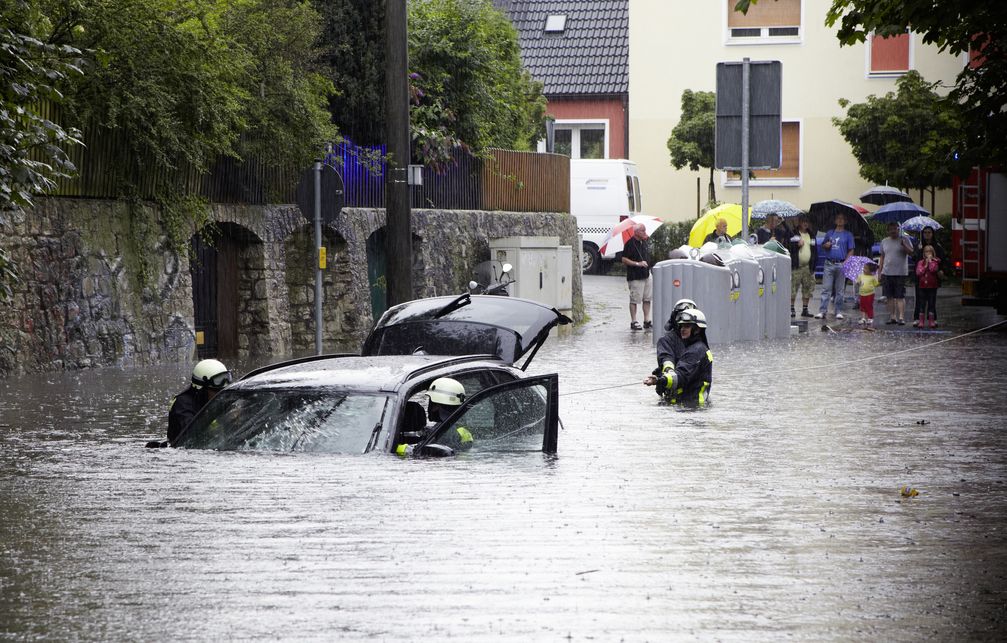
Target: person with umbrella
(927, 238)
(772, 228)
(895, 252)
(719, 234)
(837, 246)
(636, 257)
(803, 258)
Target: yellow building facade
(675, 45)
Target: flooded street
(776, 513)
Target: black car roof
(371, 373)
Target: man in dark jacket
(688, 381)
(773, 228)
(803, 259)
(208, 378)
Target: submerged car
(375, 402)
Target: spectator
(719, 234)
(927, 238)
(927, 282)
(803, 258)
(867, 283)
(837, 246)
(636, 257)
(894, 268)
(772, 228)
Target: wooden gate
(215, 275)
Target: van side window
(629, 193)
(636, 189)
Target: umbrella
(784, 209)
(898, 212)
(883, 195)
(919, 222)
(622, 231)
(854, 265)
(708, 223)
(821, 215)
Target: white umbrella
(785, 209)
(917, 223)
(622, 231)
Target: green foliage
(468, 83)
(956, 27)
(671, 235)
(906, 138)
(692, 140)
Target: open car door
(506, 327)
(522, 415)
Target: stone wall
(100, 284)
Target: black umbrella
(821, 215)
(883, 194)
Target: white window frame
(765, 38)
(783, 182)
(575, 125)
(889, 74)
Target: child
(867, 283)
(926, 275)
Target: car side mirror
(434, 451)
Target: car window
(275, 420)
(474, 382)
(510, 417)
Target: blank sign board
(765, 102)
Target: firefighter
(209, 377)
(444, 396)
(687, 381)
(670, 346)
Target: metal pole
(398, 233)
(745, 108)
(318, 257)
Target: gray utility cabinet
(543, 269)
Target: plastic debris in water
(909, 492)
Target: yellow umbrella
(708, 222)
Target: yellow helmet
(211, 374)
(447, 391)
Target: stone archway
(340, 319)
(230, 309)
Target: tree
(692, 140)
(956, 27)
(469, 85)
(906, 138)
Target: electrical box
(543, 269)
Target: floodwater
(776, 513)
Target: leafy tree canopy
(905, 138)
(692, 140)
(956, 27)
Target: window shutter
(781, 13)
(889, 55)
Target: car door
(514, 416)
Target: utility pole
(398, 233)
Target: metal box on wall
(542, 268)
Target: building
(675, 46)
(579, 50)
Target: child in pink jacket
(926, 274)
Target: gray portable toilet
(752, 323)
(706, 284)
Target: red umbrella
(622, 231)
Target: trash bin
(752, 323)
(707, 284)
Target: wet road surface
(776, 513)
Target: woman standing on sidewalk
(927, 238)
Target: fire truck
(979, 237)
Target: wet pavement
(776, 513)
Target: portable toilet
(752, 324)
(707, 284)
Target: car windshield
(284, 420)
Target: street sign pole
(318, 257)
(746, 106)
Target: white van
(603, 192)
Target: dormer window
(555, 24)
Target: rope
(812, 368)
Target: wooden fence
(526, 182)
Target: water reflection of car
(374, 401)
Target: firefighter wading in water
(208, 378)
(685, 372)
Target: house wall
(596, 108)
(675, 46)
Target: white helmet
(211, 374)
(692, 316)
(680, 305)
(447, 391)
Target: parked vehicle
(603, 192)
(979, 237)
(492, 278)
(369, 402)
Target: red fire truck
(979, 237)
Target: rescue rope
(812, 368)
